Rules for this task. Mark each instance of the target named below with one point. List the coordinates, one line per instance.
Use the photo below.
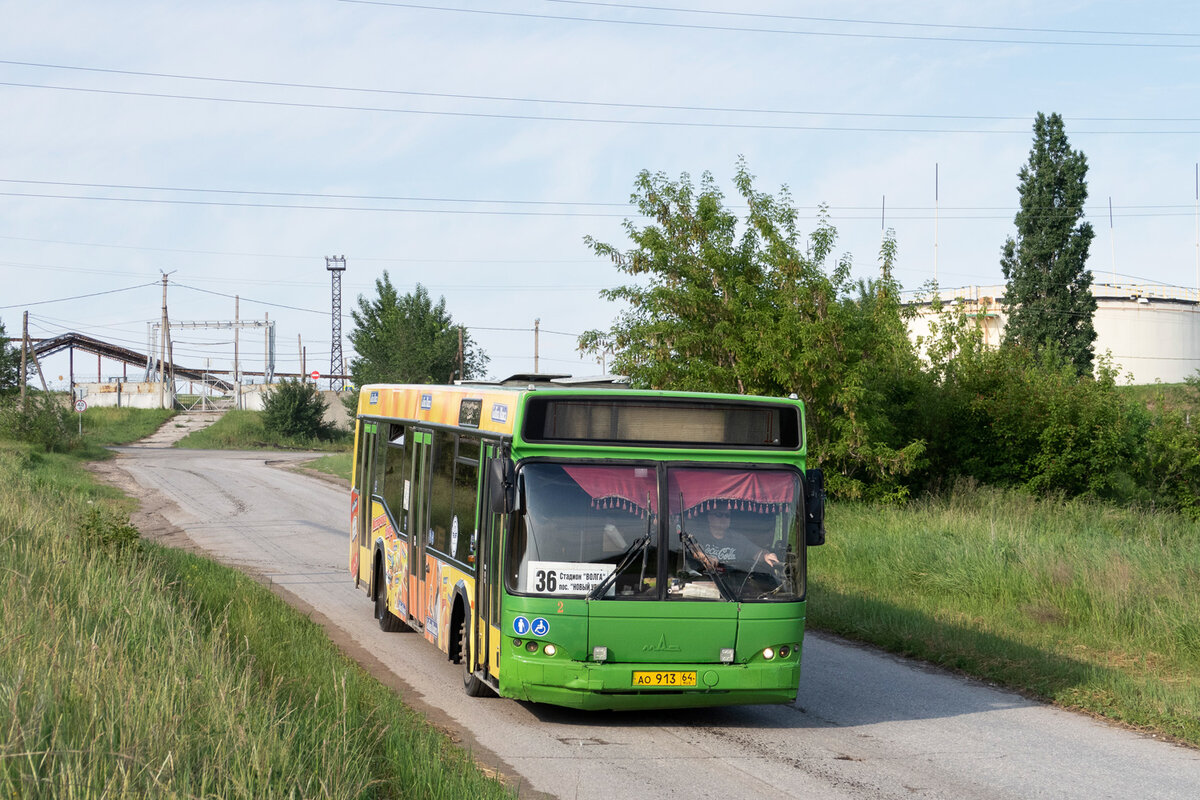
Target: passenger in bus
(722, 546)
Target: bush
(42, 421)
(1172, 470)
(295, 409)
(104, 528)
(1011, 417)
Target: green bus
(587, 547)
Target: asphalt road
(864, 724)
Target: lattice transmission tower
(336, 266)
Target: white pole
(1112, 240)
(935, 221)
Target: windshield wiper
(698, 554)
(690, 543)
(631, 552)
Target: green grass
(338, 465)
(129, 670)
(244, 430)
(108, 426)
(1090, 606)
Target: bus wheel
(387, 620)
(471, 684)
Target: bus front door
(360, 557)
(418, 528)
(490, 574)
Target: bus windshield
(595, 529)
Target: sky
(470, 146)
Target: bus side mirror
(500, 486)
(814, 507)
(503, 496)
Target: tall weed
(1081, 602)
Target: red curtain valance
(631, 488)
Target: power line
(271, 193)
(1049, 214)
(895, 23)
(592, 120)
(250, 300)
(559, 101)
(493, 201)
(78, 297)
(294, 206)
(776, 31)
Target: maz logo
(661, 647)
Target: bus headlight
(768, 653)
(550, 650)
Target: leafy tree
(408, 339)
(1048, 298)
(753, 311)
(10, 365)
(295, 409)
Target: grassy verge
(244, 430)
(129, 670)
(1093, 607)
(338, 465)
(105, 426)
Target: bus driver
(722, 546)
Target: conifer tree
(1048, 298)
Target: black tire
(388, 621)
(471, 684)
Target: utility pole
(24, 350)
(336, 266)
(237, 379)
(536, 324)
(460, 352)
(162, 358)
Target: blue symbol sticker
(374, 398)
(499, 412)
(521, 626)
(426, 401)
(540, 627)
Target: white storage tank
(1152, 331)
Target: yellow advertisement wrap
(437, 590)
(491, 409)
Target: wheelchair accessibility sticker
(539, 627)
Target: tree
(752, 311)
(10, 365)
(407, 339)
(1048, 298)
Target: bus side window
(392, 488)
(466, 489)
(441, 496)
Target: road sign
(314, 374)
(81, 406)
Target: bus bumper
(588, 685)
